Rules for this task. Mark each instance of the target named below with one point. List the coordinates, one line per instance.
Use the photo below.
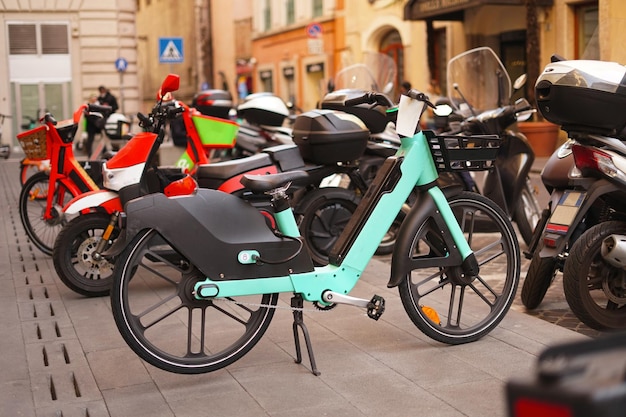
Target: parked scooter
(582, 97)
(479, 93)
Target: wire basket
(463, 153)
(34, 143)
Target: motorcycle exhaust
(614, 250)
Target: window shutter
(54, 39)
(22, 39)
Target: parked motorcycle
(583, 98)
(562, 180)
(479, 94)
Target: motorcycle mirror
(443, 110)
(170, 84)
(520, 81)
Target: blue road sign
(121, 64)
(171, 50)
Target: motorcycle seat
(229, 169)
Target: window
(291, 12)
(587, 42)
(267, 16)
(38, 38)
(318, 8)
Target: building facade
(56, 55)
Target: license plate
(565, 212)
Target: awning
(453, 9)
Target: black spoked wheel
(541, 273)
(75, 259)
(42, 232)
(594, 289)
(323, 214)
(448, 306)
(161, 320)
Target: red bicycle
(45, 193)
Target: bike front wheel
(444, 304)
(32, 204)
(73, 255)
(160, 319)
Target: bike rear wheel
(73, 255)
(158, 316)
(444, 304)
(32, 205)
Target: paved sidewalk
(62, 355)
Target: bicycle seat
(263, 183)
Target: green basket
(215, 132)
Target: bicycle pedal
(376, 307)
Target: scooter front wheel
(160, 319)
(594, 289)
(445, 304)
(526, 212)
(541, 273)
(74, 251)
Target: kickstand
(298, 321)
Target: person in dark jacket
(107, 98)
(95, 126)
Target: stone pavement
(62, 355)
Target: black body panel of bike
(211, 228)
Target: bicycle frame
(64, 167)
(412, 166)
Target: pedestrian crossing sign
(171, 50)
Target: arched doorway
(391, 44)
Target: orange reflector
(431, 314)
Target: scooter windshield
(377, 72)
(477, 80)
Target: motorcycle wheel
(441, 301)
(155, 310)
(73, 260)
(541, 273)
(527, 213)
(593, 288)
(322, 215)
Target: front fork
(106, 237)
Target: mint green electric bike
(199, 279)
